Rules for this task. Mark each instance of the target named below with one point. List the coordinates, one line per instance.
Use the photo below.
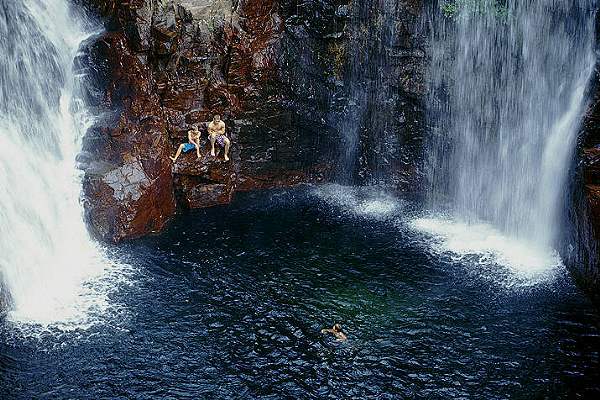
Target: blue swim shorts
(189, 147)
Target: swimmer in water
(337, 332)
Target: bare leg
(227, 146)
(179, 150)
(197, 150)
(213, 139)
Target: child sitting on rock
(193, 143)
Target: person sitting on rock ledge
(337, 332)
(216, 134)
(193, 143)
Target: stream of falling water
(46, 255)
(508, 92)
(367, 140)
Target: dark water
(228, 303)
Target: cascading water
(46, 254)
(367, 141)
(509, 80)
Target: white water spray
(370, 202)
(515, 73)
(46, 255)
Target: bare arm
(222, 128)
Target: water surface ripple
(228, 303)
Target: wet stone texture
(127, 186)
(380, 102)
(580, 248)
(580, 245)
(274, 70)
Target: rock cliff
(580, 245)
(288, 77)
(128, 185)
(275, 70)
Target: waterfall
(368, 142)
(46, 254)
(508, 92)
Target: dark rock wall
(128, 185)
(275, 70)
(580, 245)
(379, 107)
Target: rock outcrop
(128, 183)
(206, 182)
(274, 70)
(581, 240)
(580, 245)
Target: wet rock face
(390, 45)
(127, 185)
(580, 245)
(272, 69)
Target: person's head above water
(217, 118)
(337, 327)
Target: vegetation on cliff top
(457, 8)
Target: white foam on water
(513, 261)
(83, 302)
(368, 201)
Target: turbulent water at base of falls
(509, 81)
(46, 255)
